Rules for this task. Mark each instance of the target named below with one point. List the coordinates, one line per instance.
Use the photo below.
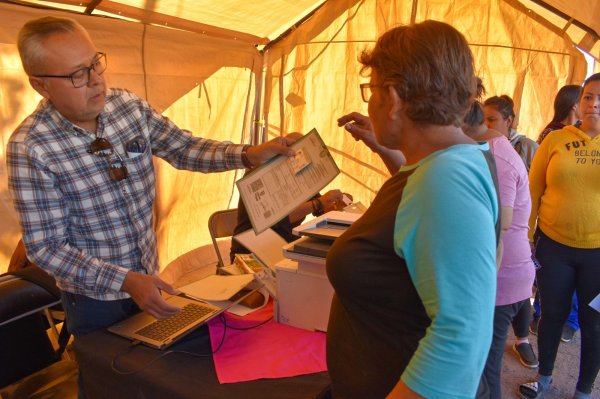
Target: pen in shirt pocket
(135, 147)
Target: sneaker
(533, 326)
(567, 333)
(526, 355)
(531, 390)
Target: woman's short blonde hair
(431, 67)
(30, 41)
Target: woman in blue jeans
(515, 268)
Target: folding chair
(221, 225)
(31, 365)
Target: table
(173, 376)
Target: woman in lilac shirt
(516, 270)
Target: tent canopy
(232, 19)
(263, 21)
(249, 71)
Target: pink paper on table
(272, 350)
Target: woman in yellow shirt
(565, 217)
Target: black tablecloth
(174, 375)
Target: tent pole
(413, 11)
(564, 16)
(258, 117)
(92, 6)
(292, 28)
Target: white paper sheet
(242, 310)
(216, 287)
(273, 190)
(344, 218)
(266, 246)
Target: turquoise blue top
(415, 282)
(450, 254)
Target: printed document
(273, 190)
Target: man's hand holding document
(273, 190)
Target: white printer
(304, 291)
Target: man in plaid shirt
(81, 176)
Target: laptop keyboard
(162, 329)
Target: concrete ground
(565, 373)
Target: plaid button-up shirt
(81, 226)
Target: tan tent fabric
(315, 77)
(204, 84)
(247, 17)
(210, 76)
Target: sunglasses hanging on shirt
(101, 147)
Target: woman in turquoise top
(415, 276)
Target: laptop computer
(161, 334)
